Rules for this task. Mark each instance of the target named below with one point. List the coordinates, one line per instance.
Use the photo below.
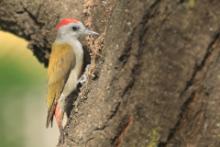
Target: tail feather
(54, 91)
(50, 115)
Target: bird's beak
(89, 32)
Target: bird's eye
(75, 28)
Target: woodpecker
(65, 67)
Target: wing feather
(62, 61)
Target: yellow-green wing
(62, 60)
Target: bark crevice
(193, 87)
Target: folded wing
(62, 61)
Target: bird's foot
(84, 78)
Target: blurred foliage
(20, 73)
(18, 67)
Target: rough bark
(156, 79)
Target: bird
(65, 68)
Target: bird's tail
(50, 115)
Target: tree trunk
(156, 69)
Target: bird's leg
(83, 78)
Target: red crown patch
(66, 21)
